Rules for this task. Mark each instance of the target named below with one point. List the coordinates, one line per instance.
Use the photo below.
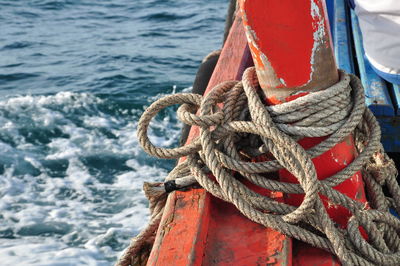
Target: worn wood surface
(382, 97)
(377, 95)
(341, 36)
(290, 45)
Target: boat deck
(383, 98)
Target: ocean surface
(75, 76)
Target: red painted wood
(184, 222)
(235, 240)
(306, 255)
(198, 229)
(302, 18)
(326, 165)
(288, 47)
(292, 50)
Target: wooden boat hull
(199, 229)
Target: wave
(165, 16)
(17, 45)
(71, 168)
(17, 76)
(72, 177)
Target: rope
(245, 127)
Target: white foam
(49, 253)
(96, 121)
(72, 217)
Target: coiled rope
(244, 125)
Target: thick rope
(245, 127)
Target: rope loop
(376, 248)
(151, 111)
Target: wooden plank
(234, 240)
(395, 89)
(198, 229)
(306, 255)
(330, 5)
(341, 36)
(376, 92)
(390, 127)
(184, 222)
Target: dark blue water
(74, 78)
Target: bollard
(292, 52)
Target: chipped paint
(332, 205)
(288, 50)
(318, 35)
(265, 72)
(356, 178)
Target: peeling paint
(319, 33)
(287, 54)
(266, 74)
(334, 157)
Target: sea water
(75, 76)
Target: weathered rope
(245, 125)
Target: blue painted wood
(376, 92)
(395, 89)
(393, 211)
(390, 127)
(330, 5)
(342, 39)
